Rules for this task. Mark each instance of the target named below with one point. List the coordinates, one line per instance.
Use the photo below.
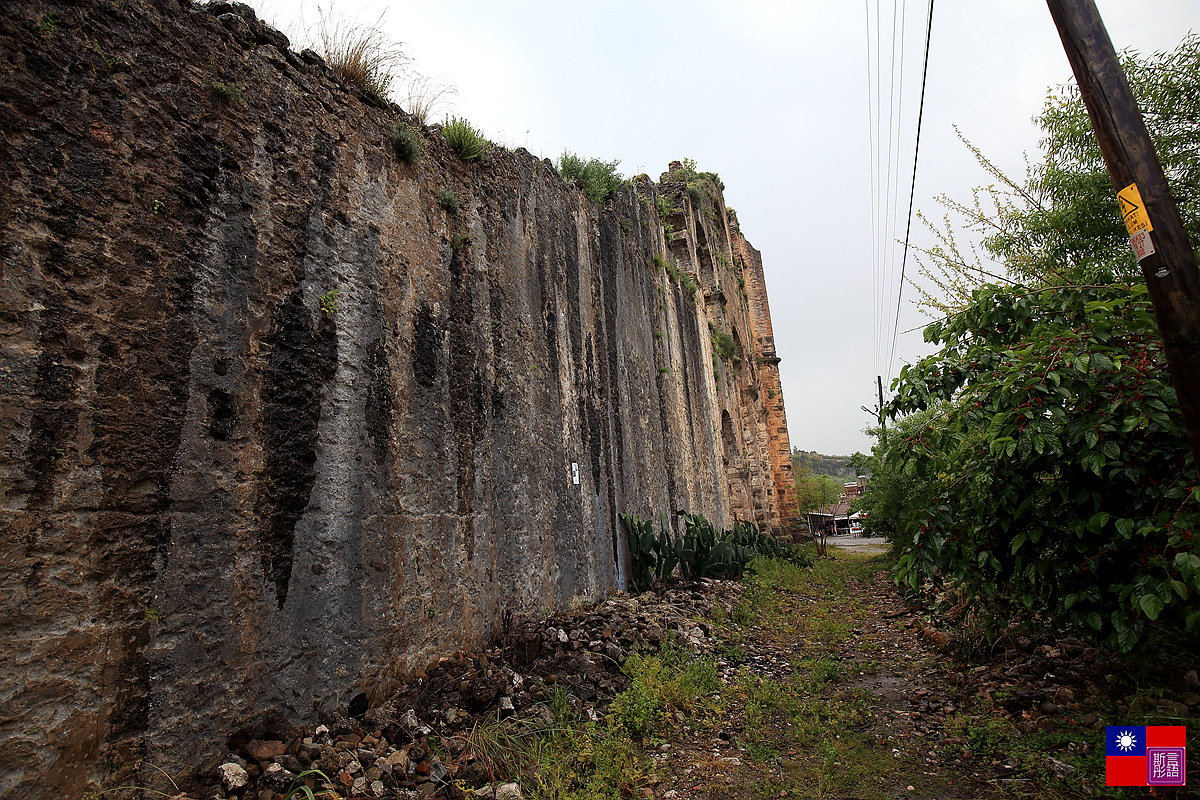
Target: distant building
(833, 518)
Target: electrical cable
(913, 189)
(876, 333)
(896, 97)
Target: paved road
(859, 544)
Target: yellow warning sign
(1134, 210)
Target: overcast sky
(773, 96)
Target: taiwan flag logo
(1145, 755)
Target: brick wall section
(706, 244)
(771, 388)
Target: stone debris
(232, 776)
(578, 652)
(508, 791)
(412, 745)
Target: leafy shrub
(448, 200)
(600, 179)
(657, 262)
(698, 184)
(1053, 469)
(362, 55)
(724, 345)
(674, 679)
(466, 142)
(406, 143)
(664, 206)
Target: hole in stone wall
(222, 413)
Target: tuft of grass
(600, 179)
(448, 200)
(567, 757)
(362, 55)
(466, 142)
(657, 262)
(424, 97)
(300, 789)
(406, 143)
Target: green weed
(664, 207)
(599, 179)
(48, 25)
(406, 143)
(300, 788)
(466, 142)
(671, 680)
(724, 345)
(329, 302)
(227, 91)
(448, 201)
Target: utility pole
(1164, 253)
(882, 415)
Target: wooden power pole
(1156, 232)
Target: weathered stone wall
(224, 506)
(772, 429)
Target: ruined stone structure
(277, 425)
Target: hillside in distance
(818, 464)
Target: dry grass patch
(363, 55)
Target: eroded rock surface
(279, 428)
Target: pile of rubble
(414, 742)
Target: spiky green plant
(406, 143)
(466, 142)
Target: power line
(913, 189)
(896, 95)
(875, 304)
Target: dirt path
(796, 682)
(837, 693)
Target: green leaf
(1070, 600)
(1127, 635)
(1094, 620)
(1017, 542)
(1187, 563)
(1180, 588)
(1151, 605)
